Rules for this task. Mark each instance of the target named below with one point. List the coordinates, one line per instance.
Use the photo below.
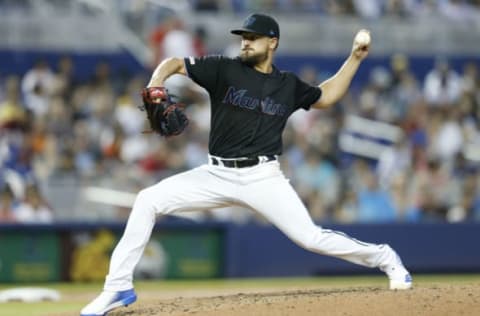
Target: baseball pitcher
(251, 101)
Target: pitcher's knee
(146, 199)
(145, 194)
(158, 198)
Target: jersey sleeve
(204, 70)
(306, 95)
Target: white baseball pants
(262, 188)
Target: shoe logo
(408, 278)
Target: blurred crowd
(141, 15)
(455, 9)
(397, 148)
(428, 171)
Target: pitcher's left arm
(334, 88)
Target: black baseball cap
(259, 24)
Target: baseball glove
(165, 116)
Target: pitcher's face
(255, 48)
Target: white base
(29, 294)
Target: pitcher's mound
(427, 300)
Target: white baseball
(362, 38)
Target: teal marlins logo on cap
(249, 21)
(261, 24)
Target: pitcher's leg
(197, 189)
(130, 248)
(192, 190)
(276, 200)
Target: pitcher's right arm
(165, 69)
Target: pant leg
(196, 189)
(276, 200)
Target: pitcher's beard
(253, 60)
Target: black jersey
(249, 109)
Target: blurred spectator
(457, 10)
(42, 145)
(398, 189)
(415, 125)
(7, 205)
(86, 150)
(317, 180)
(232, 49)
(199, 41)
(135, 148)
(449, 139)
(63, 81)
(205, 5)
(338, 7)
(15, 7)
(425, 8)
(16, 158)
(400, 66)
(357, 174)
(127, 113)
(442, 85)
(405, 87)
(430, 192)
(178, 41)
(101, 80)
(399, 8)
(196, 151)
(156, 41)
(369, 9)
(134, 13)
(468, 205)
(295, 148)
(374, 203)
(37, 85)
(170, 39)
(393, 161)
(12, 113)
(470, 78)
(310, 6)
(33, 209)
(60, 119)
(309, 74)
(378, 99)
(347, 209)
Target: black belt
(242, 162)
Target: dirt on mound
(428, 300)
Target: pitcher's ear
(274, 42)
